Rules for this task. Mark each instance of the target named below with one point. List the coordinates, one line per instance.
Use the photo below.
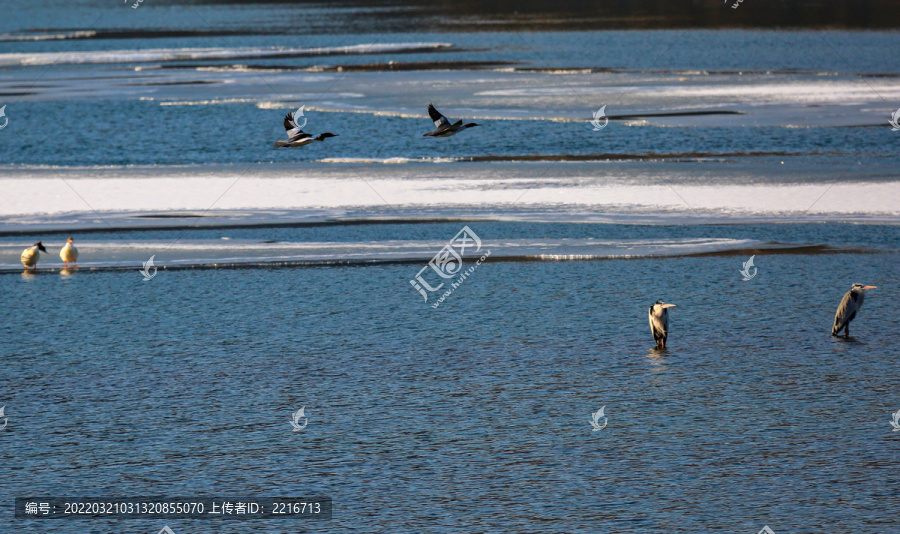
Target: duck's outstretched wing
(440, 122)
(293, 131)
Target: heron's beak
(870, 287)
(668, 305)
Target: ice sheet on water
(660, 100)
(105, 254)
(181, 54)
(157, 197)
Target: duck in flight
(296, 135)
(442, 125)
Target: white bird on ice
(32, 254)
(69, 254)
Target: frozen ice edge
(37, 200)
(98, 256)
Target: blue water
(179, 135)
(473, 417)
(116, 128)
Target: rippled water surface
(473, 416)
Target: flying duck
(659, 322)
(296, 135)
(30, 255)
(442, 125)
(69, 254)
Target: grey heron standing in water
(847, 309)
(659, 322)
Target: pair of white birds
(68, 254)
